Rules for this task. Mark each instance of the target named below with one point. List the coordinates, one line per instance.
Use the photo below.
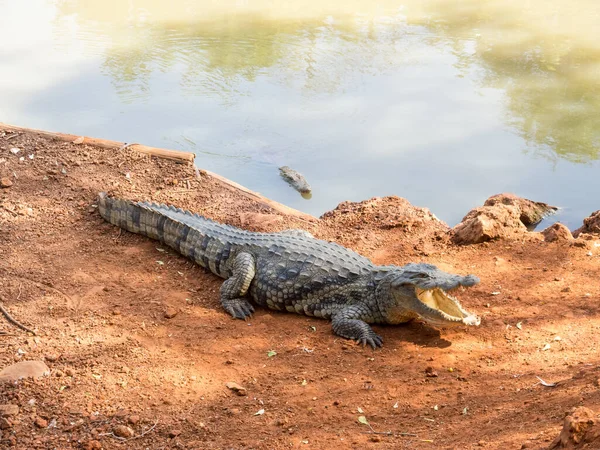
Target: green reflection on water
(545, 55)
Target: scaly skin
(292, 271)
(295, 179)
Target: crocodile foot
(239, 308)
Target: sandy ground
(135, 337)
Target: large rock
(24, 369)
(531, 212)
(581, 430)
(557, 232)
(503, 216)
(384, 213)
(488, 223)
(591, 224)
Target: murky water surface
(444, 103)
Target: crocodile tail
(168, 225)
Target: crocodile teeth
(446, 305)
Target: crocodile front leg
(349, 323)
(236, 286)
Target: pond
(443, 103)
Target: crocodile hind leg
(349, 323)
(236, 286)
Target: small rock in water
(24, 369)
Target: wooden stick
(174, 155)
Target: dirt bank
(138, 345)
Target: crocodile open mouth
(442, 308)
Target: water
(444, 103)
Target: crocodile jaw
(438, 307)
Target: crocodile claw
(239, 308)
(374, 340)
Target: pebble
(133, 420)
(5, 424)
(5, 182)
(123, 431)
(170, 313)
(174, 433)
(52, 357)
(92, 445)
(24, 369)
(8, 410)
(40, 422)
(430, 372)
(69, 372)
(239, 390)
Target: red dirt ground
(100, 298)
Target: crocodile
(295, 179)
(293, 271)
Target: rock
(8, 410)
(430, 372)
(581, 429)
(531, 212)
(40, 422)
(5, 182)
(133, 420)
(170, 313)
(385, 213)
(488, 223)
(591, 224)
(24, 369)
(174, 433)
(69, 372)
(239, 390)
(5, 424)
(502, 216)
(557, 232)
(259, 222)
(123, 431)
(52, 357)
(92, 445)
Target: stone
(581, 429)
(503, 216)
(5, 424)
(170, 313)
(9, 410)
(52, 357)
(123, 431)
(92, 445)
(488, 223)
(591, 224)
(174, 433)
(40, 422)
(239, 390)
(430, 372)
(133, 419)
(5, 182)
(557, 232)
(24, 369)
(531, 212)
